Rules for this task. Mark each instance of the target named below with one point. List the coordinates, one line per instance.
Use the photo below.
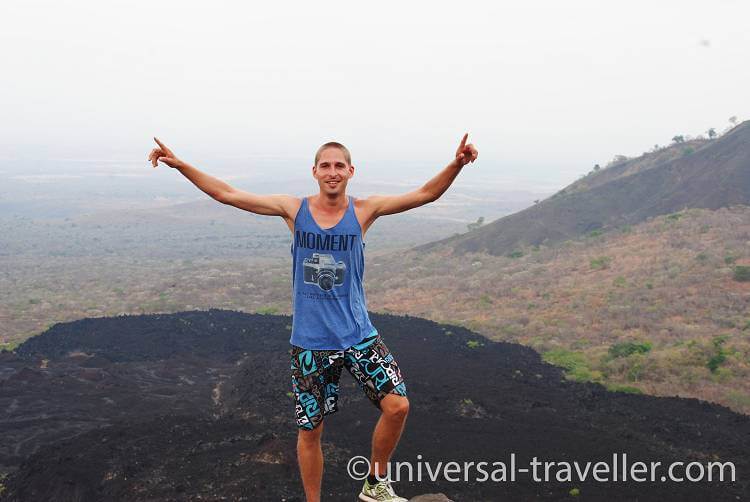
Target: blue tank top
(329, 308)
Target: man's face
(332, 171)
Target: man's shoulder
(292, 203)
(365, 206)
(364, 202)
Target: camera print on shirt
(324, 271)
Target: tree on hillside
(476, 224)
(597, 167)
(617, 160)
(678, 139)
(711, 133)
(733, 120)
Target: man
(331, 329)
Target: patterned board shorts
(316, 374)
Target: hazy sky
(548, 88)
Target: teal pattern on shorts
(316, 375)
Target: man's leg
(387, 431)
(310, 458)
(373, 366)
(315, 378)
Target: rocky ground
(195, 406)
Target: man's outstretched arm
(271, 205)
(381, 205)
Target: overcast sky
(548, 88)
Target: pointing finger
(463, 141)
(162, 145)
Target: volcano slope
(706, 174)
(195, 406)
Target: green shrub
(9, 346)
(722, 375)
(567, 359)
(702, 257)
(485, 301)
(595, 233)
(515, 254)
(268, 310)
(729, 259)
(600, 263)
(673, 271)
(585, 375)
(635, 371)
(619, 282)
(624, 349)
(473, 344)
(674, 216)
(716, 361)
(720, 355)
(616, 387)
(575, 365)
(574, 492)
(719, 340)
(742, 273)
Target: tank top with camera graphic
(328, 299)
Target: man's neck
(331, 201)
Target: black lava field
(196, 406)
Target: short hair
(334, 144)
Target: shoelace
(384, 488)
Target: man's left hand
(466, 153)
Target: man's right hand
(164, 155)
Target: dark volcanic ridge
(195, 406)
(705, 174)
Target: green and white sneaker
(381, 491)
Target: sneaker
(379, 492)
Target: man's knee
(310, 436)
(395, 406)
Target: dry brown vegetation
(148, 261)
(651, 308)
(38, 293)
(592, 305)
